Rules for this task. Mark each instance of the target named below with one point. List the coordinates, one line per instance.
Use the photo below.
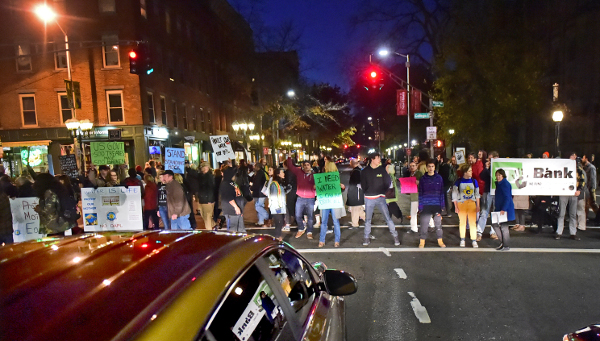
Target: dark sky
(327, 38)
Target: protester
(570, 202)
(49, 191)
(132, 180)
(581, 199)
(91, 180)
(177, 203)
(487, 203)
(504, 204)
(590, 171)
(231, 197)
(9, 189)
(191, 179)
(448, 174)
(163, 209)
(6, 227)
(152, 167)
(431, 202)
(260, 179)
(291, 197)
(393, 193)
(103, 176)
(414, 199)
(139, 172)
(306, 196)
(150, 202)
(521, 205)
(336, 213)
(375, 181)
(355, 198)
(206, 195)
(465, 195)
(243, 180)
(277, 197)
(24, 188)
(188, 196)
(218, 175)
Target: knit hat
(546, 154)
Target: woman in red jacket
(150, 202)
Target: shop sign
(157, 132)
(108, 153)
(189, 138)
(112, 209)
(99, 133)
(175, 159)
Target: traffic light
(439, 144)
(358, 146)
(139, 60)
(374, 79)
(134, 61)
(345, 146)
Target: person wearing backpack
(57, 210)
(448, 174)
(465, 195)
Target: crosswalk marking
(450, 249)
(401, 273)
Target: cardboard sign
(537, 176)
(26, 221)
(112, 209)
(175, 159)
(221, 146)
(408, 185)
(107, 153)
(68, 165)
(329, 192)
(460, 157)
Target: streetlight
(385, 53)
(413, 143)
(291, 93)
(243, 127)
(79, 129)
(451, 131)
(557, 117)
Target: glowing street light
(451, 131)
(45, 13)
(291, 93)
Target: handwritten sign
(112, 209)
(408, 185)
(68, 165)
(460, 157)
(175, 159)
(329, 192)
(222, 147)
(26, 221)
(108, 153)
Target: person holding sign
(6, 220)
(330, 169)
(465, 195)
(504, 204)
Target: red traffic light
(439, 143)
(358, 146)
(132, 54)
(345, 146)
(373, 74)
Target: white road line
(450, 249)
(420, 311)
(401, 273)
(385, 251)
(385, 226)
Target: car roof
(112, 285)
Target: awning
(237, 147)
(26, 143)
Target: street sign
(421, 115)
(437, 104)
(431, 133)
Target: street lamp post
(384, 53)
(557, 117)
(243, 127)
(78, 130)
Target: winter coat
(51, 220)
(206, 188)
(191, 177)
(305, 182)
(355, 195)
(151, 196)
(277, 198)
(504, 200)
(260, 178)
(177, 202)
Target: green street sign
(421, 115)
(437, 104)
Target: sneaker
(506, 248)
(286, 228)
(366, 242)
(492, 236)
(574, 237)
(500, 247)
(396, 241)
(329, 231)
(371, 236)
(462, 243)
(557, 236)
(309, 235)
(478, 237)
(300, 233)
(475, 244)
(421, 243)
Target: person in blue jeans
(163, 210)
(330, 168)
(305, 189)
(178, 206)
(375, 181)
(260, 179)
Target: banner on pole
(112, 209)
(401, 103)
(329, 191)
(107, 153)
(415, 101)
(222, 147)
(537, 176)
(26, 221)
(175, 159)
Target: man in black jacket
(375, 181)
(355, 198)
(260, 178)
(206, 195)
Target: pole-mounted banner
(401, 103)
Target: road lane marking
(401, 273)
(385, 251)
(398, 226)
(450, 249)
(420, 311)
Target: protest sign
(329, 192)
(26, 221)
(222, 147)
(460, 157)
(175, 159)
(408, 185)
(68, 165)
(537, 176)
(254, 312)
(112, 209)
(107, 153)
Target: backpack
(68, 208)
(452, 176)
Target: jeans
(370, 205)
(336, 225)
(571, 202)
(425, 219)
(148, 215)
(503, 233)
(236, 223)
(261, 212)
(164, 216)
(278, 220)
(305, 206)
(486, 205)
(181, 223)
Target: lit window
(28, 110)
(110, 50)
(66, 112)
(60, 57)
(174, 113)
(114, 103)
(151, 116)
(107, 6)
(23, 57)
(143, 9)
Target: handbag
(265, 188)
(391, 192)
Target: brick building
(202, 58)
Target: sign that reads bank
(537, 176)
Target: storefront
(17, 155)
(192, 150)
(157, 141)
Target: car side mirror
(339, 283)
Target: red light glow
(132, 54)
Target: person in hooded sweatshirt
(231, 200)
(505, 205)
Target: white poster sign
(460, 157)
(248, 321)
(431, 133)
(26, 221)
(537, 176)
(221, 146)
(175, 159)
(112, 209)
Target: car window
(249, 315)
(294, 276)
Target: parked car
(589, 333)
(168, 285)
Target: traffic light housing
(439, 144)
(374, 79)
(134, 61)
(139, 60)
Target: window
(163, 110)
(143, 9)
(66, 113)
(110, 50)
(174, 113)
(185, 118)
(28, 110)
(60, 57)
(202, 125)
(107, 6)
(167, 21)
(151, 115)
(24, 57)
(194, 119)
(114, 102)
